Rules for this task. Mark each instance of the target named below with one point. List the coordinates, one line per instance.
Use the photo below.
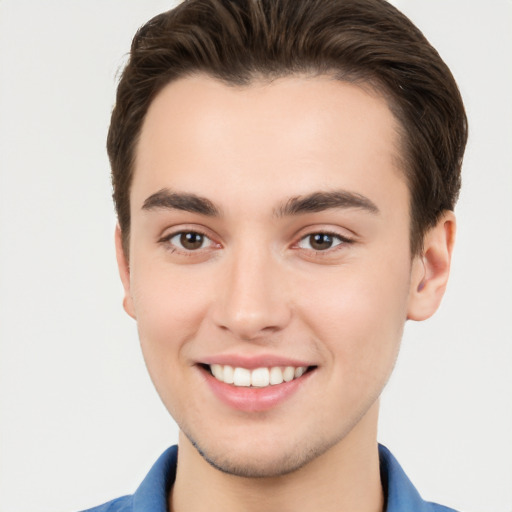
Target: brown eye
(320, 241)
(189, 241)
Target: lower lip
(253, 399)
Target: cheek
(169, 305)
(359, 318)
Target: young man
(284, 175)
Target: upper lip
(252, 362)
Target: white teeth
(259, 377)
(242, 377)
(299, 371)
(218, 371)
(289, 373)
(276, 375)
(227, 374)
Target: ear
(124, 272)
(430, 270)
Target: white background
(80, 421)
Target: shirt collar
(401, 495)
(151, 496)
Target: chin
(272, 461)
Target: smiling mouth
(258, 377)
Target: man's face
(269, 229)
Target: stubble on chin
(259, 467)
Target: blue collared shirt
(151, 496)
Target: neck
(345, 478)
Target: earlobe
(431, 269)
(124, 272)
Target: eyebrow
(311, 203)
(321, 201)
(166, 199)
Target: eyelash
(166, 240)
(342, 241)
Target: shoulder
(123, 504)
(401, 495)
(152, 492)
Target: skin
(257, 286)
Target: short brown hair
(359, 41)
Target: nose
(252, 301)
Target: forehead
(295, 132)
